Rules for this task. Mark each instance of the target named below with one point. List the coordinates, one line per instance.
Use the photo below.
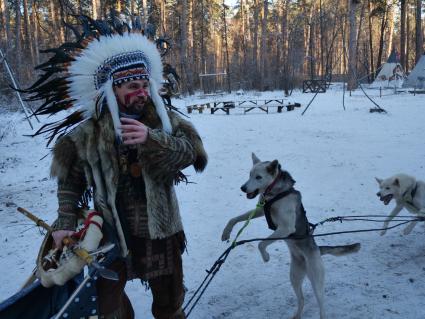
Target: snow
(332, 153)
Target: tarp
(416, 78)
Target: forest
(243, 44)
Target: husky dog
(286, 215)
(408, 193)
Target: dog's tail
(339, 250)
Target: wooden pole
(15, 86)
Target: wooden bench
(225, 106)
(264, 105)
(246, 105)
(199, 108)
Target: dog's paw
(407, 230)
(264, 254)
(226, 233)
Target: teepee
(391, 74)
(416, 78)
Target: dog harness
(302, 226)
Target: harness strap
(267, 212)
(409, 199)
(268, 204)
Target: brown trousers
(167, 293)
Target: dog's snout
(243, 188)
(378, 194)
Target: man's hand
(133, 131)
(59, 235)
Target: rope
(220, 261)
(259, 205)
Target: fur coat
(161, 158)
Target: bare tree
(5, 30)
(352, 44)
(95, 9)
(403, 59)
(18, 43)
(183, 48)
(263, 52)
(419, 39)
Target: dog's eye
(258, 177)
(387, 188)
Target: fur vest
(161, 158)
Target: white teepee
(391, 74)
(416, 78)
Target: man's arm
(68, 169)
(69, 193)
(163, 155)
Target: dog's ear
(379, 180)
(255, 159)
(396, 182)
(271, 168)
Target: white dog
(408, 193)
(285, 214)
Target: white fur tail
(339, 250)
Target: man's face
(132, 96)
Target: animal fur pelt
(162, 157)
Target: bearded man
(127, 149)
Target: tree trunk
(36, 33)
(419, 41)
(360, 27)
(4, 21)
(226, 47)
(285, 48)
(193, 29)
(18, 44)
(372, 64)
(322, 41)
(244, 64)
(311, 48)
(27, 32)
(403, 12)
(263, 52)
(255, 45)
(408, 22)
(183, 49)
(132, 7)
(390, 32)
(96, 9)
(381, 40)
(352, 44)
(163, 27)
(203, 53)
(145, 12)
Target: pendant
(136, 170)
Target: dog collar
(269, 188)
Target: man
(170, 85)
(129, 151)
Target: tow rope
(212, 272)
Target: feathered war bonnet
(80, 76)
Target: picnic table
(247, 105)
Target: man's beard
(137, 107)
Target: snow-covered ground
(333, 155)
